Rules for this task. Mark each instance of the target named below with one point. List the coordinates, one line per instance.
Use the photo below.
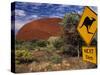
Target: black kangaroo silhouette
(88, 22)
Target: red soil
(40, 29)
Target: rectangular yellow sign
(89, 54)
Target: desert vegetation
(56, 53)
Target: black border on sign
(79, 22)
(91, 10)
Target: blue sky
(26, 12)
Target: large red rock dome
(40, 29)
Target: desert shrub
(71, 51)
(30, 45)
(58, 43)
(22, 45)
(42, 43)
(18, 46)
(33, 44)
(50, 48)
(17, 62)
(26, 45)
(56, 59)
(18, 42)
(63, 49)
(23, 56)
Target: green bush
(23, 56)
(50, 48)
(42, 43)
(58, 44)
(30, 45)
(56, 59)
(22, 45)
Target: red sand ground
(40, 29)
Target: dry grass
(45, 63)
(49, 66)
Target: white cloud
(34, 16)
(63, 6)
(55, 16)
(60, 9)
(20, 12)
(79, 12)
(18, 25)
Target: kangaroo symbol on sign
(88, 22)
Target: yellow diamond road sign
(88, 25)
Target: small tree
(69, 33)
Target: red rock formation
(40, 29)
